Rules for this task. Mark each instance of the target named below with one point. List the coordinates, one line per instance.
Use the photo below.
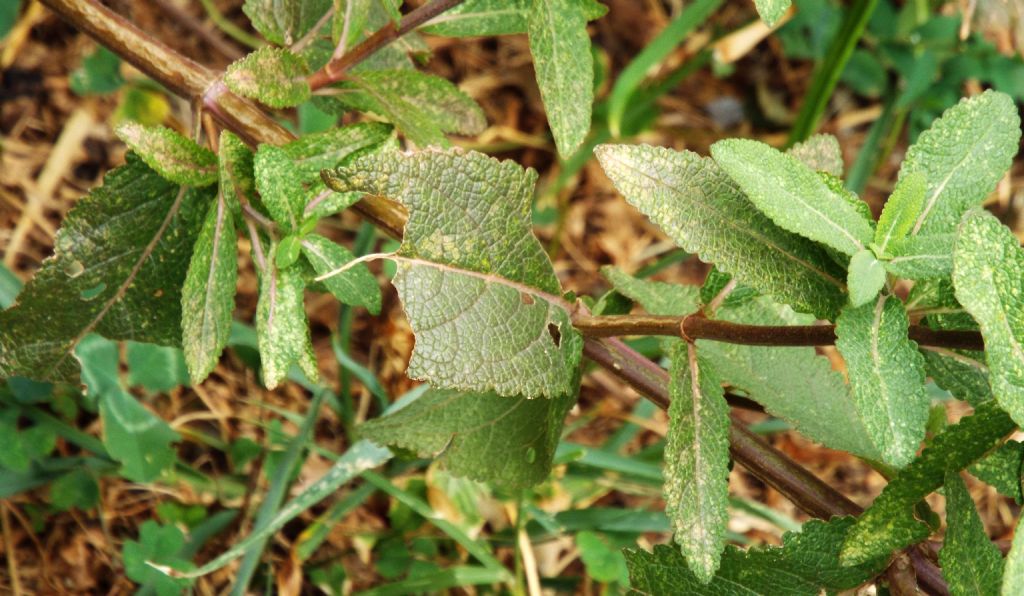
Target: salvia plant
(932, 289)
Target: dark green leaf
(494, 17)
(284, 22)
(281, 325)
(135, 437)
(99, 73)
(1003, 469)
(971, 564)
(118, 266)
(889, 523)
(208, 295)
(507, 441)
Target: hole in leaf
(93, 292)
(74, 268)
(555, 334)
(526, 298)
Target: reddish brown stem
(335, 70)
(696, 327)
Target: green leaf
(281, 325)
(100, 73)
(697, 461)
(208, 294)
(505, 441)
(480, 293)
(865, 278)
(117, 269)
(160, 545)
(988, 274)
(807, 563)
(793, 195)
(1013, 572)
(1003, 469)
(173, 156)
(485, 18)
(329, 149)
(887, 376)
(565, 69)
(602, 561)
(272, 76)
(716, 281)
(889, 523)
(284, 22)
(288, 251)
(971, 564)
(237, 180)
(921, 257)
(135, 437)
(281, 186)
(700, 208)
(901, 210)
(961, 372)
(772, 10)
(356, 286)
(76, 489)
(155, 368)
(349, 21)
(384, 92)
(962, 156)
(820, 152)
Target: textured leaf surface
(1002, 469)
(988, 274)
(135, 436)
(328, 149)
(901, 210)
(820, 152)
(716, 281)
(118, 265)
(284, 22)
(437, 100)
(889, 523)
(772, 10)
(961, 372)
(886, 375)
(507, 441)
(173, 156)
(807, 563)
(866, 277)
(356, 286)
(377, 93)
(962, 156)
(1013, 572)
(565, 69)
(281, 186)
(971, 564)
(208, 294)
(237, 181)
(349, 20)
(922, 257)
(701, 209)
(793, 195)
(495, 17)
(281, 326)
(794, 384)
(697, 462)
(480, 292)
(272, 76)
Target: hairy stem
(694, 327)
(333, 71)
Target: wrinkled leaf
(962, 156)
(921, 257)
(173, 156)
(272, 76)
(356, 286)
(793, 195)
(820, 152)
(118, 265)
(1003, 469)
(901, 210)
(697, 461)
(479, 291)
(988, 274)
(506, 441)
(971, 564)
(772, 10)
(887, 376)
(281, 325)
(699, 207)
(495, 17)
(284, 22)
(565, 69)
